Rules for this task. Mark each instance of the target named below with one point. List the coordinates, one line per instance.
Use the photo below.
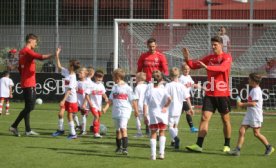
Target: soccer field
(47, 151)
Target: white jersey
(155, 99)
(140, 91)
(5, 84)
(70, 82)
(187, 81)
(178, 93)
(96, 95)
(121, 97)
(225, 40)
(255, 113)
(82, 87)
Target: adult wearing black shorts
(27, 72)
(217, 91)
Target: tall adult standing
(27, 70)
(217, 92)
(152, 60)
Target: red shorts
(71, 107)
(159, 126)
(5, 98)
(95, 112)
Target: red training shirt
(218, 72)
(27, 67)
(149, 62)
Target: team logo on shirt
(97, 92)
(120, 96)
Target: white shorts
(120, 123)
(252, 124)
(174, 120)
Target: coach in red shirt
(26, 69)
(217, 93)
(152, 60)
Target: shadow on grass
(86, 152)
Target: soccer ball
(103, 129)
(38, 101)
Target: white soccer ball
(38, 101)
(103, 129)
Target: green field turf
(47, 151)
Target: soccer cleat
(72, 136)
(78, 128)
(172, 143)
(226, 149)
(83, 133)
(194, 130)
(97, 135)
(58, 133)
(14, 131)
(234, 152)
(124, 151)
(118, 150)
(176, 143)
(30, 133)
(153, 157)
(138, 135)
(161, 156)
(269, 151)
(194, 148)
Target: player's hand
(186, 53)
(202, 64)
(61, 104)
(164, 109)
(11, 96)
(58, 51)
(191, 112)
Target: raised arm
(57, 59)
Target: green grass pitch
(47, 151)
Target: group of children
(158, 104)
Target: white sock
(162, 143)
(138, 125)
(172, 133)
(84, 123)
(176, 131)
(72, 127)
(76, 119)
(60, 124)
(153, 147)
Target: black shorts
(185, 107)
(212, 103)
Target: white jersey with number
(121, 97)
(5, 84)
(155, 99)
(255, 113)
(70, 82)
(187, 81)
(140, 91)
(178, 93)
(96, 95)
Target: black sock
(267, 146)
(147, 129)
(118, 142)
(125, 142)
(189, 120)
(227, 142)
(200, 141)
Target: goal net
(252, 45)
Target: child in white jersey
(94, 97)
(179, 93)
(254, 116)
(156, 103)
(122, 97)
(69, 102)
(140, 95)
(189, 83)
(6, 85)
(82, 104)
